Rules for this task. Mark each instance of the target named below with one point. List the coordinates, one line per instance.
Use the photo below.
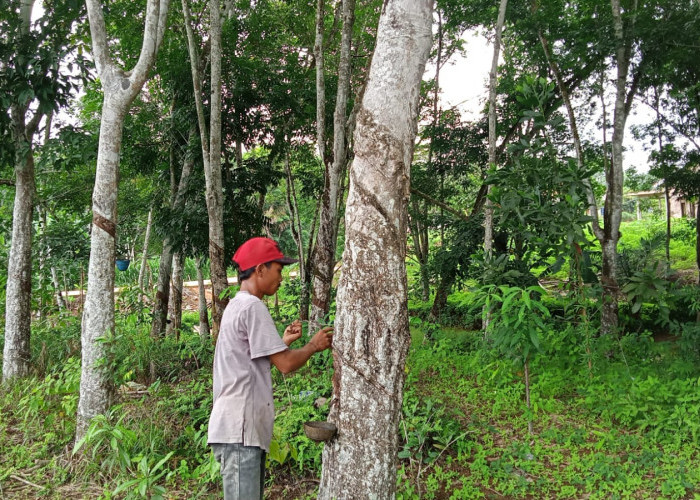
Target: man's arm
(293, 359)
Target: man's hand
(292, 359)
(323, 339)
(292, 333)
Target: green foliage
(666, 408)
(517, 318)
(426, 431)
(648, 286)
(299, 398)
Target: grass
(612, 417)
(629, 429)
(579, 448)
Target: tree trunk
(144, 256)
(215, 204)
(120, 89)
(320, 83)
(372, 336)
(177, 201)
(493, 161)
(162, 300)
(211, 152)
(615, 175)
(18, 290)
(18, 305)
(293, 207)
(176, 293)
(419, 234)
(441, 294)
(203, 311)
(326, 242)
(60, 301)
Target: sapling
(516, 320)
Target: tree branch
(442, 205)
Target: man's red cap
(259, 251)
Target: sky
(464, 83)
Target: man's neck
(250, 286)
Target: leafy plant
(516, 324)
(144, 485)
(647, 286)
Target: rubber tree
(326, 240)
(120, 88)
(176, 203)
(371, 330)
(211, 151)
(488, 209)
(32, 85)
(625, 91)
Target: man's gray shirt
(243, 410)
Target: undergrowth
(612, 417)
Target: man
(240, 425)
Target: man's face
(271, 278)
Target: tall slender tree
(372, 337)
(625, 91)
(326, 241)
(120, 88)
(211, 151)
(32, 83)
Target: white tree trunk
(176, 293)
(320, 83)
(493, 160)
(371, 331)
(211, 153)
(615, 174)
(120, 89)
(60, 301)
(143, 276)
(18, 291)
(203, 311)
(18, 313)
(214, 196)
(488, 209)
(326, 242)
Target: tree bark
(488, 209)
(215, 204)
(372, 336)
(60, 301)
(18, 313)
(211, 152)
(176, 293)
(326, 242)
(320, 83)
(120, 89)
(203, 311)
(143, 277)
(162, 299)
(615, 173)
(493, 160)
(18, 291)
(419, 235)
